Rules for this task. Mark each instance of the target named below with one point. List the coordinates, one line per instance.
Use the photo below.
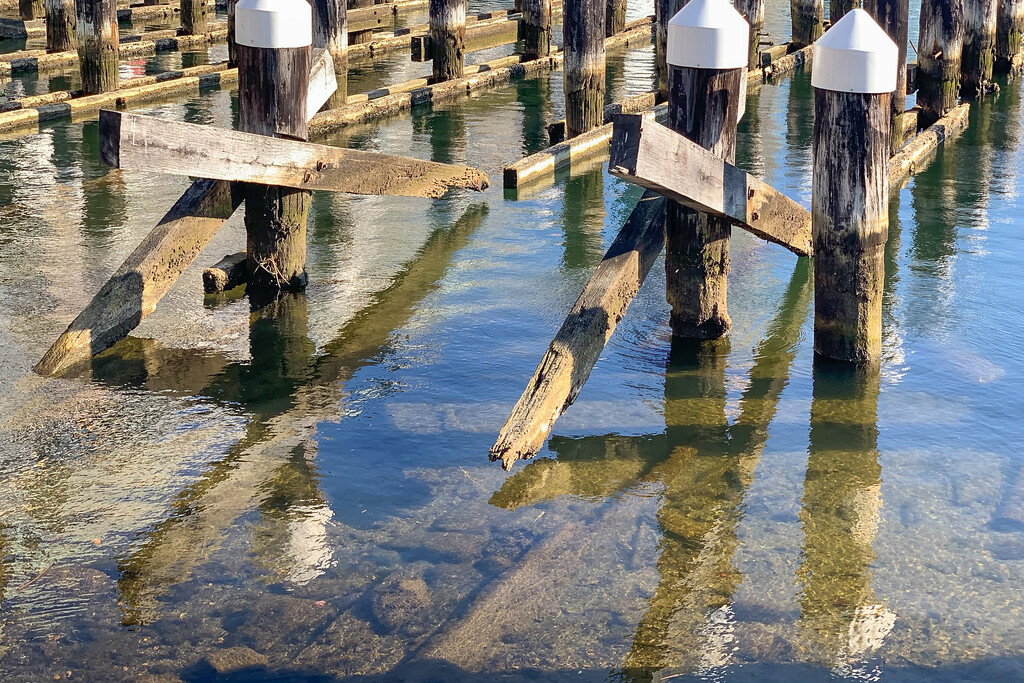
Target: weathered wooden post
(330, 31)
(707, 62)
(583, 77)
(30, 9)
(274, 41)
(60, 26)
(894, 18)
(854, 76)
(837, 9)
(1009, 32)
(98, 45)
(808, 21)
(447, 37)
(753, 12)
(193, 17)
(979, 54)
(664, 10)
(615, 17)
(941, 43)
(536, 28)
(232, 52)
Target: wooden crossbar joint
(655, 157)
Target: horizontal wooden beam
(910, 158)
(143, 279)
(144, 143)
(654, 156)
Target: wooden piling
(60, 26)
(330, 31)
(30, 9)
(273, 83)
(98, 44)
(232, 51)
(850, 187)
(1009, 32)
(583, 77)
(448, 38)
(938, 60)
(808, 21)
(615, 17)
(894, 17)
(753, 12)
(664, 10)
(536, 28)
(193, 17)
(837, 9)
(703, 106)
(979, 52)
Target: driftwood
(143, 143)
(577, 346)
(651, 155)
(143, 279)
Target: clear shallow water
(310, 481)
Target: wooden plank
(909, 159)
(143, 143)
(651, 155)
(145, 277)
(577, 346)
(322, 81)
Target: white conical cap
(274, 23)
(855, 55)
(708, 34)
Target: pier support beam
(808, 20)
(854, 76)
(615, 17)
(583, 33)
(938, 61)
(193, 17)
(232, 51)
(979, 53)
(98, 45)
(703, 106)
(753, 12)
(273, 80)
(448, 38)
(60, 26)
(1009, 32)
(330, 31)
(536, 28)
(894, 18)
(664, 10)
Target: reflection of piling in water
(842, 498)
(704, 466)
(204, 513)
(534, 96)
(583, 219)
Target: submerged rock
(399, 602)
(234, 659)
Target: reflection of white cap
(274, 23)
(855, 55)
(708, 34)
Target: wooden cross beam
(654, 156)
(323, 82)
(143, 143)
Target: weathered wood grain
(1009, 33)
(894, 17)
(228, 273)
(584, 67)
(981, 18)
(651, 155)
(941, 43)
(912, 156)
(575, 349)
(330, 32)
(808, 21)
(145, 277)
(193, 17)
(323, 82)
(96, 25)
(448, 38)
(60, 26)
(143, 143)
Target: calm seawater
(305, 490)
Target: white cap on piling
(855, 55)
(274, 24)
(708, 34)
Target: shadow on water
(287, 389)
(703, 466)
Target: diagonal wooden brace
(323, 81)
(144, 143)
(653, 156)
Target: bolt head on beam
(855, 55)
(274, 24)
(708, 34)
